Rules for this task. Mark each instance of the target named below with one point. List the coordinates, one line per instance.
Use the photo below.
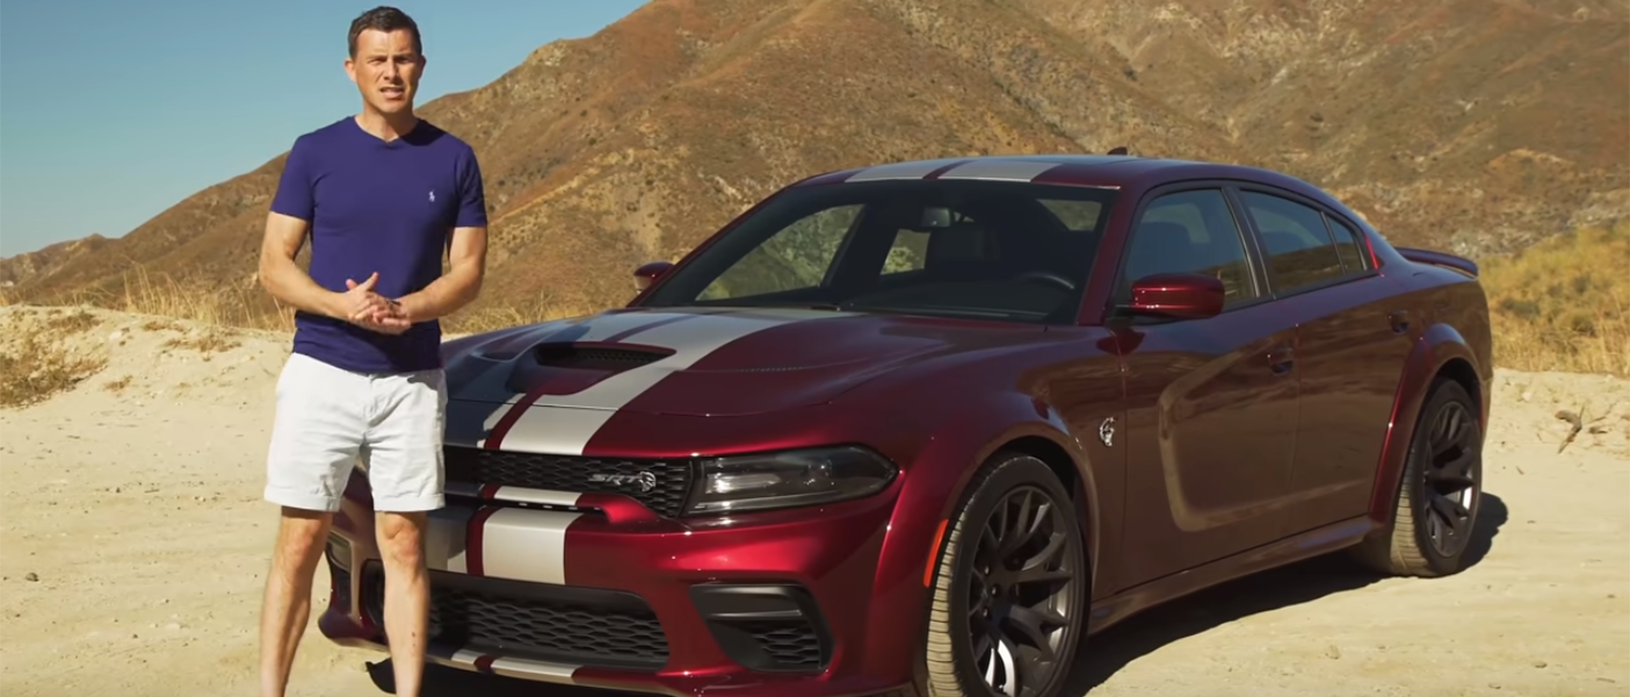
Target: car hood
(703, 361)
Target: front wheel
(1441, 486)
(1009, 597)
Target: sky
(112, 111)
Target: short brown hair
(386, 19)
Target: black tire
(951, 667)
(1439, 493)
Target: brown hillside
(1474, 125)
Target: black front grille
(790, 644)
(772, 628)
(662, 486)
(583, 626)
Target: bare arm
(285, 280)
(467, 261)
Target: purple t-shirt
(378, 206)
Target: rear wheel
(1439, 492)
(1009, 596)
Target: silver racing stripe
(599, 327)
(564, 424)
(546, 497)
(901, 170)
(555, 430)
(523, 668)
(446, 539)
(531, 669)
(1006, 170)
(526, 545)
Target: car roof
(1117, 171)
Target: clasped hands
(365, 308)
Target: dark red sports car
(921, 427)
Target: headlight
(791, 478)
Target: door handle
(1399, 319)
(1281, 360)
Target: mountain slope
(1440, 121)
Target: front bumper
(605, 593)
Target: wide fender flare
(984, 433)
(937, 480)
(1438, 345)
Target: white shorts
(329, 418)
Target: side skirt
(1113, 610)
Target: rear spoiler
(1427, 256)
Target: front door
(1211, 403)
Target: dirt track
(143, 526)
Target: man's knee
(401, 537)
(302, 534)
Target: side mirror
(1184, 295)
(648, 274)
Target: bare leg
(407, 595)
(301, 537)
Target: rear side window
(1297, 244)
(1348, 247)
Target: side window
(794, 258)
(1348, 247)
(1190, 232)
(909, 252)
(1298, 248)
(1078, 216)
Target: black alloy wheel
(1451, 474)
(1009, 598)
(1439, 491)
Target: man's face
(386, 69)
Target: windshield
(978, 249)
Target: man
(381, 194)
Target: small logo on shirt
(432, 195)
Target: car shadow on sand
(1298, 583)
(1104, 654)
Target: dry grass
(246, 307)
(252, 308)
(1564, 304)
(33, 366)
(214, 306)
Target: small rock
(32, 577)
(1540, 664)
(1333, 652)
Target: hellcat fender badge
(1106, 431)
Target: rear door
(1350, 348)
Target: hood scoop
(569, 368)
(588, 356)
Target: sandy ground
(133, 546)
